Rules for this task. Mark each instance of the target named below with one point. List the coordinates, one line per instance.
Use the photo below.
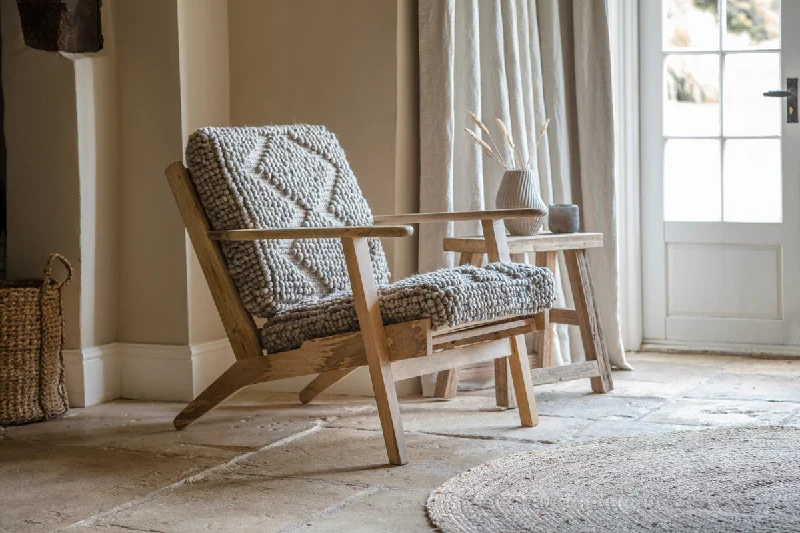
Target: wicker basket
(31, 337)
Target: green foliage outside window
(752, 17)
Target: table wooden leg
(447, 380)
(446, 384)
(519, 258)
(588, 318)
(543, 324)
(503, 389)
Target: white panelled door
(720, 172)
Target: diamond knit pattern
(280, 177)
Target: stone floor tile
(605, 429)
(46, 486)
(384, 511)
(667, 372)
(229, 502)
(722, 412)
(245, 423)
(713, 360)
(468, 402)
(496, 424)
(774, 367)
(97, 529)
(596, 406)
(774, 388)
(655, 389)
(359, 457)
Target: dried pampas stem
(486, 148)
(494, 152)
(516, 157)
(542, 133)
(485, 130)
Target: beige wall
(205, 101)
(406, 167)
(96, 93)
(153, 285)
(322, 62)
(42, 141)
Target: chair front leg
(368, 309)
(520, 368)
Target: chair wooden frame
(391, 353)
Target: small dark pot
(564, 218)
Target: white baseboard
(209, 361)
(93, 375)
(175, 373)
(157, 372)
(756, 350)
(136, 371)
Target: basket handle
(48, 269)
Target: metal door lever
(791, 98)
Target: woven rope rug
(721, 480)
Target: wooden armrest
(341, 232)
(494, 214)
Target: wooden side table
(546, 246)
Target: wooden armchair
(282, 231)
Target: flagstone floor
(264, 462)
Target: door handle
(791, 99)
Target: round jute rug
(721, 480)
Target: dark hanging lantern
(61, 25)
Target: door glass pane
(752, 183)
(747, 111)
(692, 95)
(752, 24)
(691, 25)
(692, 180)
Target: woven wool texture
(280, 177)
(732, 480)
(449, 297)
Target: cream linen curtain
(522, 61)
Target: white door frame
(652, 157)
(652, 215)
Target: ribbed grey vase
(520, 188)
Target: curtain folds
(522, 61)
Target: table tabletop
(541, 242)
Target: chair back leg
(237, 377)
(322, 382)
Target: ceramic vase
(518, 189)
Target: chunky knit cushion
(280, 177)
(449, 297)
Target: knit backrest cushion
(280, 177)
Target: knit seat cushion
(448, 297)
